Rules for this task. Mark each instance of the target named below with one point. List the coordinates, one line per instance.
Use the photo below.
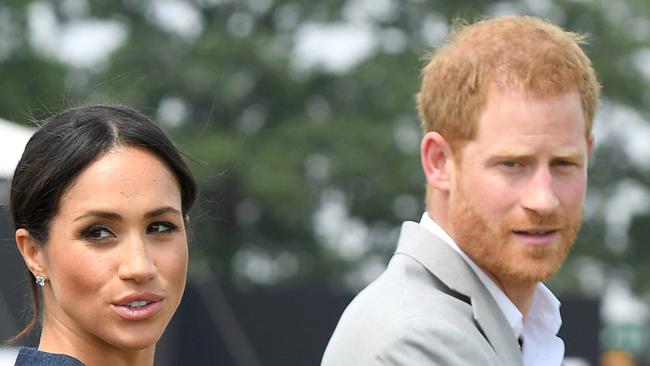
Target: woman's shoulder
(33, 357)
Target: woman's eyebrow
(115, 216)
(98, 213)
(161, 211)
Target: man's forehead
(527, 151)
(515, 122)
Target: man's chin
(532, 274)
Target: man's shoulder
(406, 289)
(403, 315)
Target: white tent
(13, 138)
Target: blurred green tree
(308, 167)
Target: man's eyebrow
(511, 153)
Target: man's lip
(537, 231)
(537, 237)
(124, 300)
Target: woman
(99, 201)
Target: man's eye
(564, 163)
(161, 227)
(511, 164)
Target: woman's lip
(138, 313)
(137, 296)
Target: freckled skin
(88, 270)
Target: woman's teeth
(137, 304)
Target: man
(507, 108)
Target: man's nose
(539, 195)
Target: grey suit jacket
(427, 308)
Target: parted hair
(61, 148)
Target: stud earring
(40, 280)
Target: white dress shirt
(541, 346)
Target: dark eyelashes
(101, 232)
(170, 227)
(94, 232)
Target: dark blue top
(33, 357)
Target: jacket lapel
(450, 268)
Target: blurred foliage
(307, 172)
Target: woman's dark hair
(63, 146)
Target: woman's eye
(161, 227)
(97, 233)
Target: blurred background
(298, 119)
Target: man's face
(518, 190)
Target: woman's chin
(131, 341)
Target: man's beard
(492, 245)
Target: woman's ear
(437, 161)
(32, 252)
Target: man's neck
(521, 295)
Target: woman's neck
(57, 338)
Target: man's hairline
(495, 88)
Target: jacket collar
(447, 265)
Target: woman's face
(116, 255)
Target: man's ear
(590, 144)
(437, 161)
(32, 252)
